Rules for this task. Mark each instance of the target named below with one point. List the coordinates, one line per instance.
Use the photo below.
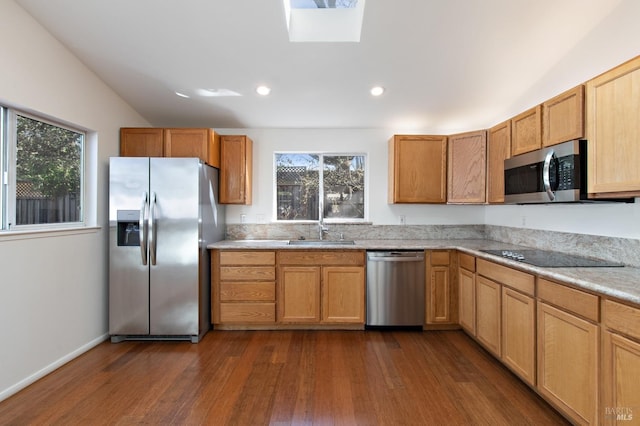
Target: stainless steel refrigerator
(162, 214)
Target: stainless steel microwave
(557, 174)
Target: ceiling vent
(324, 20)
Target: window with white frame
(43, 173)
(315, 186)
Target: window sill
(47, 233)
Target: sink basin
(321, 243)
(254, 242)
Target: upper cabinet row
(469, 167)
(158, 142)
(233, 155)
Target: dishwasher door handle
(396, 257)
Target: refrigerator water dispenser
(129, 227)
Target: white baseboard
(6, 393)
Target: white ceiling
(447, 64)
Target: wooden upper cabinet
(498, 150)
(563, 117)
(526, 131)
(158, 142)
(236, 163)
(201, 143)
(613, 132)
(141, 142)
(467, 168)
(418, 169)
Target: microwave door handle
(546, 175)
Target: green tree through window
(48, 173)
(305, 182)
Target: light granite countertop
(620, 283)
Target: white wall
(53, 290)
(372, 142)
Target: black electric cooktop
(551, 259)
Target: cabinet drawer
(439, 257)
(248, 291)
(467, 262)
(622, 318)
(573, 300)
(252, 257)
(248, 312)
(295, 257)
(510, 277)
(248, 273)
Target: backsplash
(625, 250)
(360, 231)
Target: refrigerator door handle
(152, 229)
(142, 227)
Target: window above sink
(321, 187)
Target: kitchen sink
(321, 243)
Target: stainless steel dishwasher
(395, 288)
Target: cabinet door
(299, 294)
(621, 388)
(526, 131)
(563, 117)
(141, 142)
(568, 363)
(439, 292)
(200, 143)
(613, 108)
(518, 334)
(467, 299)
(343, 294)
(467, 168)
(418, 169)
(236, 162)
(488, 314)
(498, 150)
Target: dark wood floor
(284, 378)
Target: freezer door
(128, 274)
(173, 246)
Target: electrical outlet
(524, 221)
(243, 218)
(403, 220)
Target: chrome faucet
(322, 230)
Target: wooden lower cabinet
(488, 318)
(519, 334)
(620, 364)
(243, 287)
(568, 363)
(299, 294)
(441, 295)
(620, 386)
(467, 293)
(323, 287)
(343, 297)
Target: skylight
(324, 20)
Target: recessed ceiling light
(182, 95)
(263, 90)
(377, 90)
